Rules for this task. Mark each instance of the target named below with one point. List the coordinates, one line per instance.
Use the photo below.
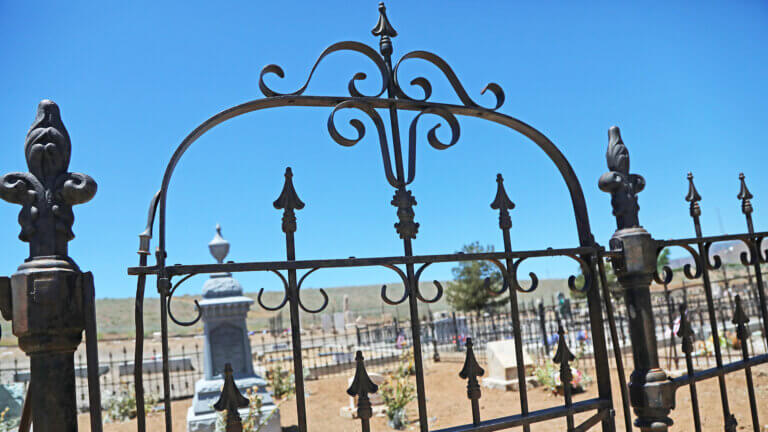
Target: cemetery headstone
(327, 323)
(338, 322)
(224, 309)
(502, 366)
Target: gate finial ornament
(622, 185)
(384, 30)
(745, 196)
(288, 201)
(47, 192)
(693, 197)
(503, 204)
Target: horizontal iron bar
(595, 419)
(712, 239)
(230, 267)
(720, 371)
(534, 417)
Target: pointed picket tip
(745, 196)
(563, 353)
(288, 199)
(501, 201)
(744, 193)
(739, 316)
(471, 367)
(685, 330)
(383, 26)
(693, 195)
(230, 398)
(361, 383)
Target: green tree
(469, 290)
(662, 260)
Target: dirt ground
(447, 405)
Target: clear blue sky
(686, 82)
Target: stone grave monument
(502, 366)
(224, 309)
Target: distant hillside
(115, 316)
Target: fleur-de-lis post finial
(47, 192)
(693, 197)
(503, 204)
(622, 185)
(288, 201)
(745, 196)
(361, 387)
(470, 372)
(685, 332)
(231, 401)
(385, 31)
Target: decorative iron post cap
(693, 197)
(385, 31)
(288, 201)
(471, 367)
(745, 196)
(622, 185)
(47, 192)
(502, 203)
(361, 383)
(218, 246)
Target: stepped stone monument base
(201, 416)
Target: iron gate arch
(587, 254)
(51, 301)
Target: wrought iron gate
(632, 254)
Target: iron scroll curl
(169, 298)
(667, 274)
(443, 66)
(260, 300)
(286, 298)
(351, 46)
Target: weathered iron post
(48, 296)
(651, 393)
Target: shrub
(7, 424)
(397, 392)
(406, 366)
(121, 406)
(281, 382)
(252, 421)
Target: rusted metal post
(45, 297)
(650, 391)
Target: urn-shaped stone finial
(218, 246)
